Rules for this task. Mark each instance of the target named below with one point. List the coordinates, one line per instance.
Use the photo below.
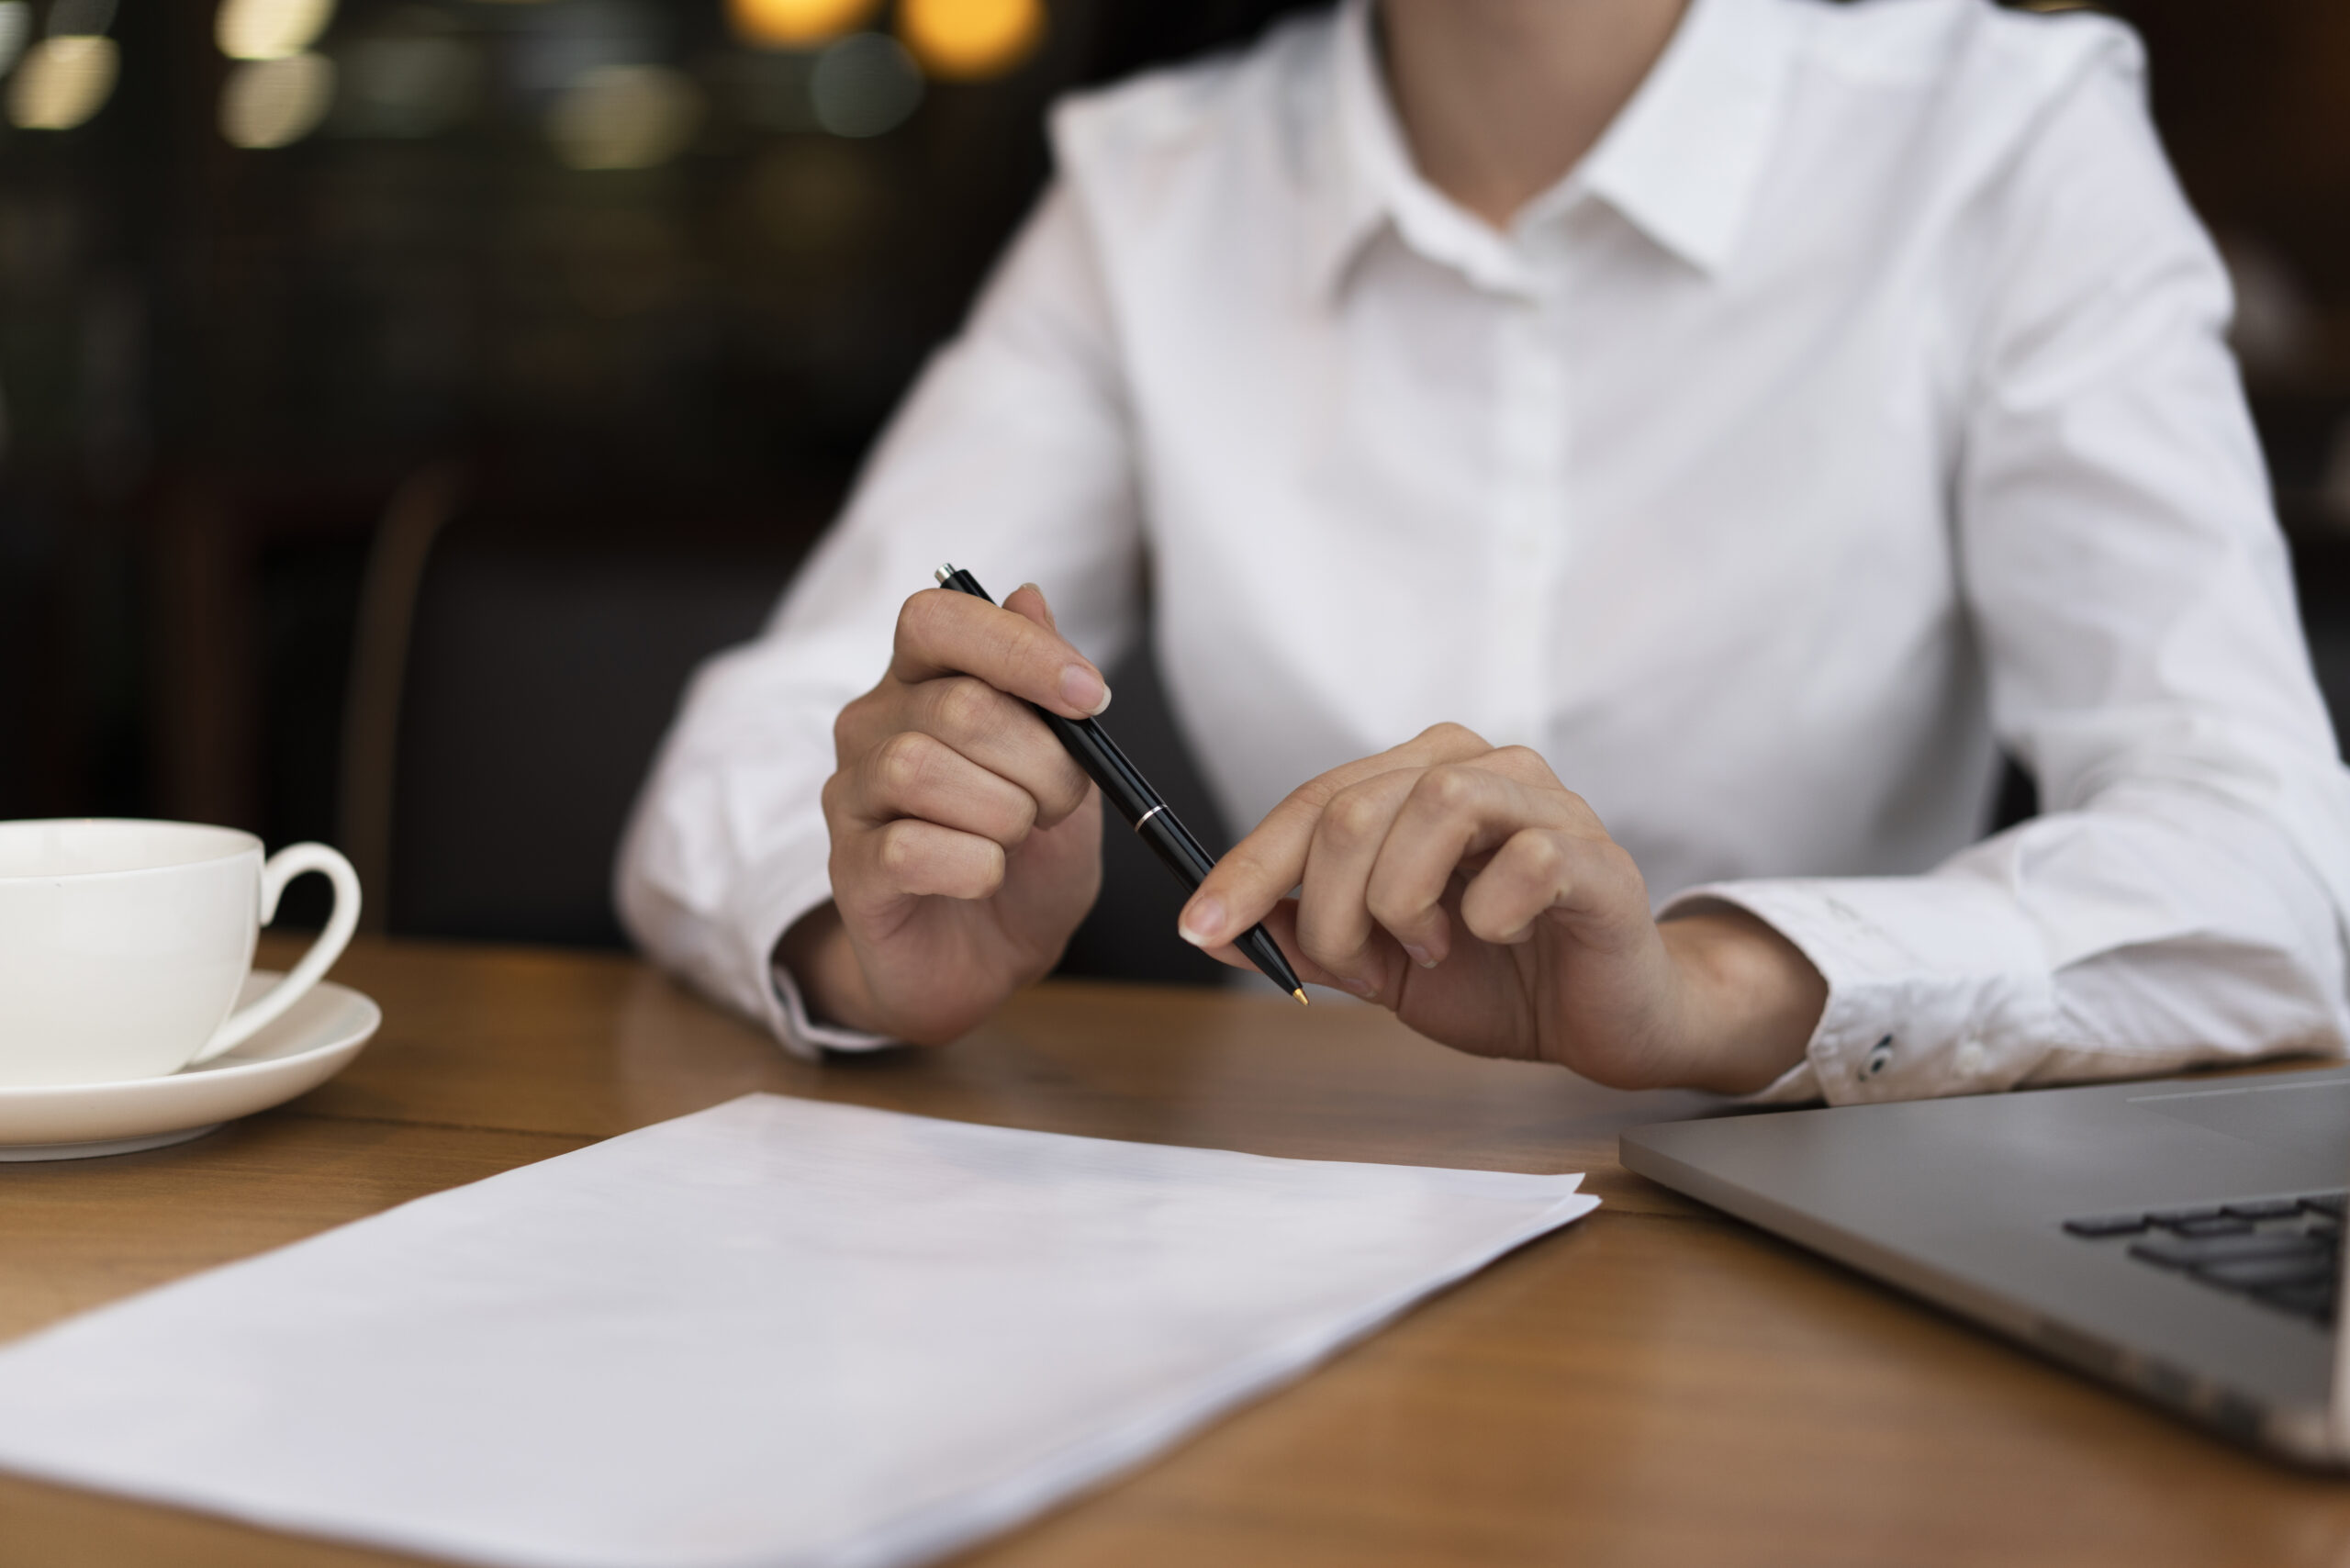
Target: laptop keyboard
(2285, 1253)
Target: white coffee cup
(123, 945)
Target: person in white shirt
(1609, 477)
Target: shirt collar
(1681, 161)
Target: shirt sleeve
(2182, 897)
(1011, 455)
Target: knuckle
(962, 705)
(1351, 819)
(1451, 786)
(1521, 762)
(1540, 855)
(1308, 799)
(894, 850)
(1450, 738)
(901, 762)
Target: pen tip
(1300, 994)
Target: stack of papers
(778, 1332)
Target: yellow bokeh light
(270, 30)
(796, 24)
(969, 39)
(625, 117)
(63, 82)
(275, 103)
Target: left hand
(1465, 888)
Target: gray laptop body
(1965, 1201)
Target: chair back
(515, 670)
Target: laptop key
(2186, 1251)
(2264, 1208)
(2107, 1225)
(2266, 1273)
(2183, 1216)
(2325, 1202)
(2218, 1224)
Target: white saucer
(315, 1040)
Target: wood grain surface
(1655, 1385)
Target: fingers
(1384, 851)
(1013, 648)
(916, 774)
(969, 712)
(1454, 813)
(1000, 733)
(1280, 924)
(916, 816)
(1334, 922)
(1266, 865)
(910, 858)
(1540, 870)
(1028, 600)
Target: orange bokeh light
(969, 39)
(796, 24)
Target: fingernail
(1084, 691)
(1200, 922)
(1361, 988)
(1419, 955)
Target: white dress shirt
(1857, 406)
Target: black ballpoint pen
(1153, 821)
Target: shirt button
(1880, 1057)
(1970, 1058)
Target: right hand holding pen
(967, 844)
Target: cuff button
(1880, 1057)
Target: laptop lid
(1965, 1202)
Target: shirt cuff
(800, 1031)
(771, 902)
(1936, 985)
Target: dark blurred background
(399, 397)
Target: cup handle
(283, 867)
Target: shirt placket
(1530, 518)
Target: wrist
(822, 963)
(1752, 999)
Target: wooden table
(1655, 1385)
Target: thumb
(1028, 600)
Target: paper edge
(1004, 1505)
(930, 1534)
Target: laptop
(2182, 1240)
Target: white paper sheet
(778, 1332)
